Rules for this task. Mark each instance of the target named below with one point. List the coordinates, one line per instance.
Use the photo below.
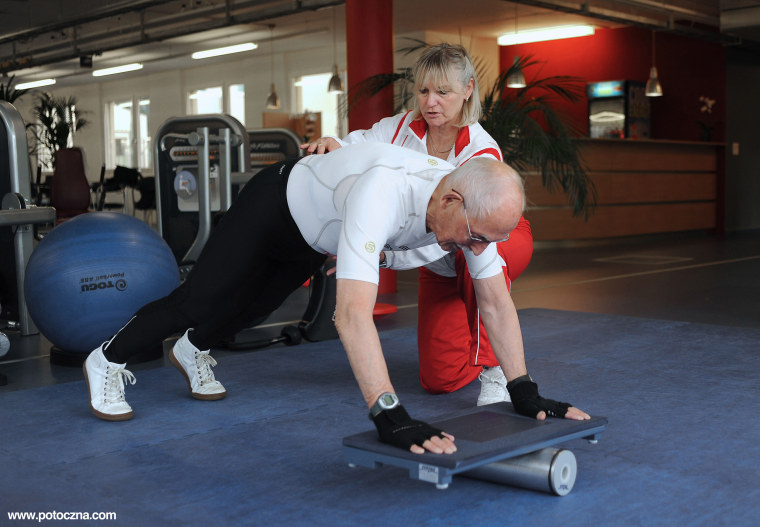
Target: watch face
(388, 400)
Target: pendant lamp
(516, 79)
(336, 83)
(653, 87)
(273, 101)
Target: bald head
(490, 186)
(479, 201)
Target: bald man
(355, 203)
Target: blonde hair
(444, 64)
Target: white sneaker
(196, 365)
(105, 382)
(493, 388)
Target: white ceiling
(44, 38)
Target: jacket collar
(420, 126)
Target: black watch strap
(517, 380)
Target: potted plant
(58, 119)
(707, 124)
(531, 134)
(8, 92)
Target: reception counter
(643, 187)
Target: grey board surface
(483, 435)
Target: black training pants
(253, 260)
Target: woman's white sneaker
(196, 365)
(493, 388)
(105, 382)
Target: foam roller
(547, 470)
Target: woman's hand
(320, 146)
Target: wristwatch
(386, 401)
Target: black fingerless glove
(396, 428)
(524, 394)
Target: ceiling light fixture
(653, 87)
(35, 84)
(516, 77)
(336, 83)
(549, 33)
(118, 69)
(227, 50)
(273, 101)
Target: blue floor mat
(681, 446)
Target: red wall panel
(688, 69)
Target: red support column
(369, 51)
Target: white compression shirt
(364, 198)
(472, 141)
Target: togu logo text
(96, 283)
(370, 247)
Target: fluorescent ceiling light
(117, 69)
(35, 84)
(549, 33)
(248, 46)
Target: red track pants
(452, 341)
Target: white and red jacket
(401, 130)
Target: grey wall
(743, 127)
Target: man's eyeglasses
(475, 237)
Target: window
(207, 100)
(128, 140)
(212, 100)
(236, 102)
(312, 96)
(121, 139)
(144, 152)
(43, 152)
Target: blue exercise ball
(90, 274)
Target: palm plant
(533, 135)
(8, 92)
(530, 132)
(58, 119)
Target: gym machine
(17, 215)
(195, 159)
(270, 145)
(201, 163)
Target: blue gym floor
(661, 335)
